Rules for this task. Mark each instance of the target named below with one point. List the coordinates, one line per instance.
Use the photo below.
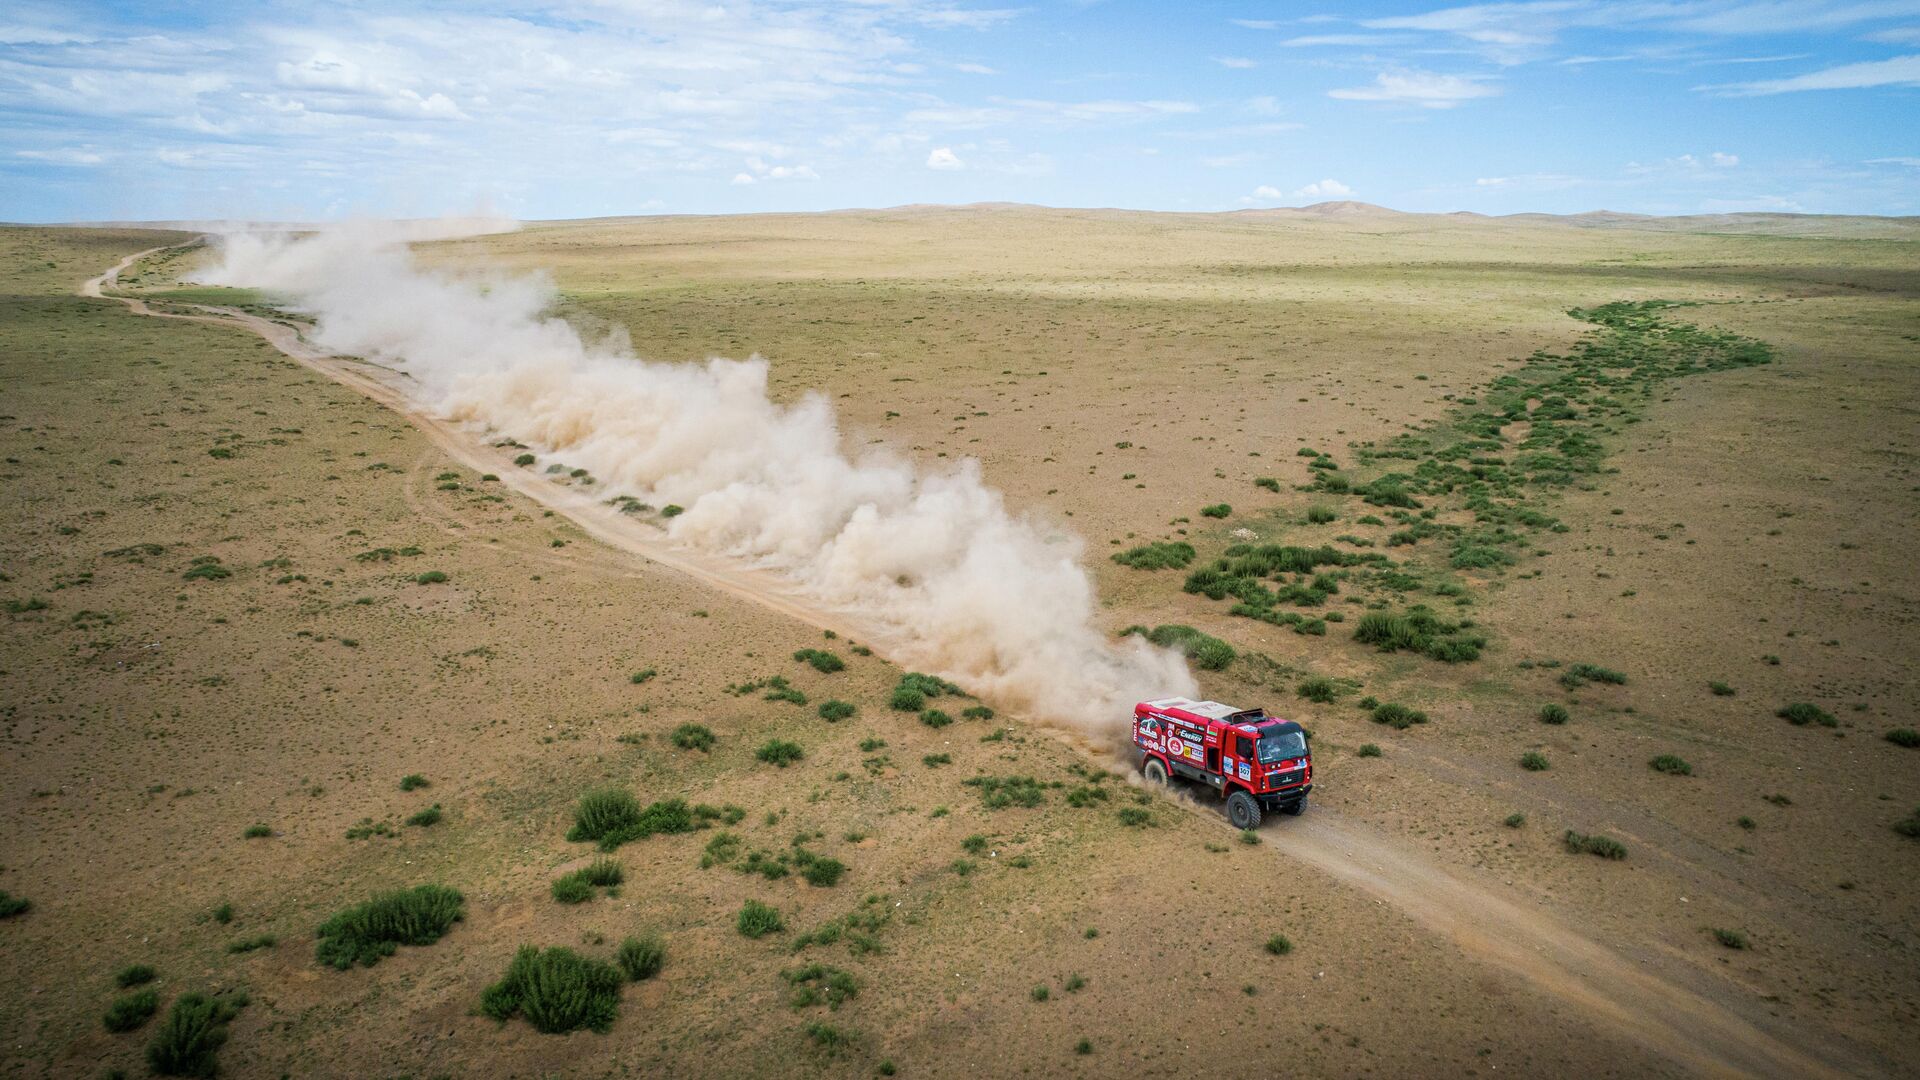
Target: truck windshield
(1280, 747)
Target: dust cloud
(995, 601)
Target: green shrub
(817, 984)
(1317, 688)
(613, 817)
(252, 944)
(757, 920)
(1398, 716)
(1083, 1047)
(578, 886)
(1672, 765)
(431, 577)
(524, 460)
(133, 975)
(1905, 736)
(974, 845)
(642, 957)
(1418, 630)
(1909, 825)
(977, 712)
(1534, 761)
(823, 661)
(255, 832)
(1320, 515)
(557, 990)
(1732, 939)
(779, 752)
(1208, 652)
(423, 818)
(131, 1011)
(1368, 750)
(1171, 555)
(835, 711)
(367, 932)
(1604, 846)
(1249, 836)
(1515, 820)
(1553, 714)
(1000, 792)
(693, 737)
(413, 781)
(1278, 945)
(1268, 482)
(1578, 675)
(934, 718)
(1217, 510)
(641, 676)
(1040, 993)
(188, 1041)
(830, 1040)
(1135, 816)
(1800, 714)
(913, 690)
(1720, 689)
(818, 869)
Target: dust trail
(966, 589)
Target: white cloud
(1323, 189)
(1910, 162)
(1268, 191)
(1314, 40)
(63, 156)
(758, 169)
(742, 179)
(1426, 89)
(1899, 35)
(1256, 24)
(1235, 62)
(1724, 160)
(1004, 111)
(1898, 71)
(945, 159)
(975, 69)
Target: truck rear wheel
(1242, 811)
(1154, 771)
(1297, 806)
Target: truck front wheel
(1242, 811)
(1154, 771)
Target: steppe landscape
(1578, 543)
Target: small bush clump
(910, 694)
(1515, 820)
(1553, 714)
(1909, 825)
(613, 817)
(365, 933)
(642, 957)
(1000, 792)
(835, 711)
(255, 832)
(1534, 761)
(1732, 939)
(413, 781)
(1672, 765)
(188, 1042)
(133, 975)
(577, 887)
(1720, 689)
(431, 577)
(557, 990)
(131, 1010)
(818, 984)
(1368, 750)
(1320, 515)
(1800, 714)
(757, 920)
(1418, 630)
(1217, 510)
(1397, 716)
(779, 752)
(693, 737)
(1578, 675)
(823, 661)
(1173, 555)
(1208, 652)
(1317, 688)
(424, 818)
(1278, 945)
(1604, 846)
(1905, 736)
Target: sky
(578, 108)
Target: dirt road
(1488, 922)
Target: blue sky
(591, 107)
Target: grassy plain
(1745, 527)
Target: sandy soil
(1423, 928)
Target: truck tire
(1297, 806)
(1154, 771)
(1243, 811)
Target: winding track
(1489, 922)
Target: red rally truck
(1255, 761)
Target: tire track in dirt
(1489, 925)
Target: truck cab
(1254, 761)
